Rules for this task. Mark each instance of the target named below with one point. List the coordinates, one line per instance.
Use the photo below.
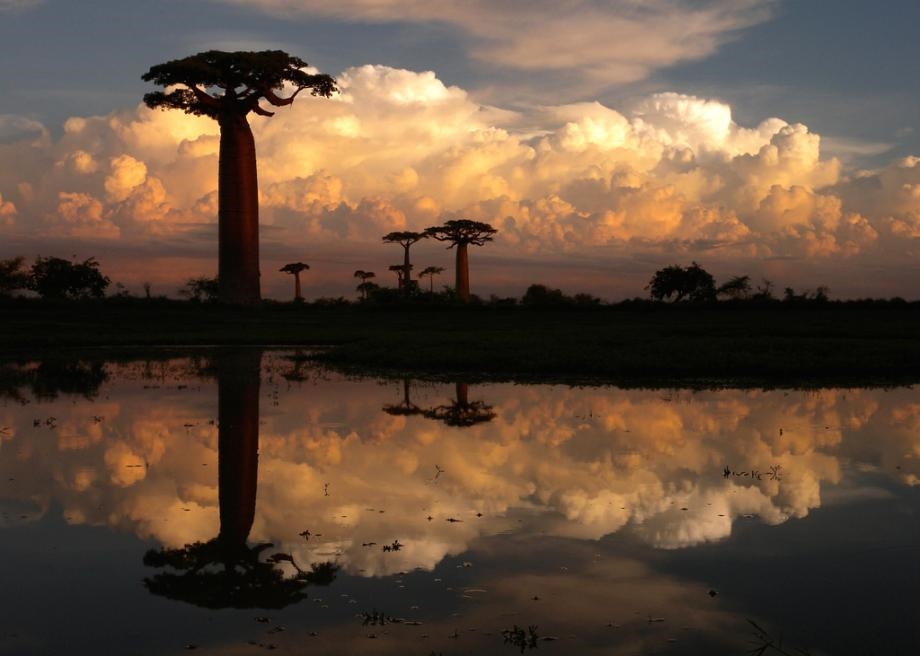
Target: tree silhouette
(294, 268)
(400, 271)
(431, 272)
(404, 408)
(226, 572)
(53, 277)
(693, 283)
(462, 413)
(202, 288)
(737, 288)
(364, 286)
(461, 233)
(405, 239)
(226, 86)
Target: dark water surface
(243, 502)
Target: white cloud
(402, 150)
(605, 42)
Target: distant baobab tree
(294, 268)
(400, 271)
(405, 239)
(461, 233)
(226, 86)
(431, 272)
(364, 286)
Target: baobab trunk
(297, 296)
(463, 273)
(238, 213)
(237, 443)
(407, 271)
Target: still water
(245, 502)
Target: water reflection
(226, 571)
(585, 512)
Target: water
(447, 518)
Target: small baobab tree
(400, 271)
(295, 268)
(364, 286)
(405, 239)
(431, 272)
(461, 233)
(227, 86)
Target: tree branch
(204, 97)
(276, 100)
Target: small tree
(295, 268)
(405, 239)
(200, 289)
(460, 234)
(431, 272)
(53, 277)
(693, 283)
(365, 287)
(400, 271)
(737, 288)
(13, 276)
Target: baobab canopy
(243, 77)
(226, 86)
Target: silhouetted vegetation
(227, 86)
(676, 283)
(50, 378)
(405, 239)
(460, 234)
(295, 269)
(203, 288)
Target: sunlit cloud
(600, 42)
(670, 176)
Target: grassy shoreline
(776, 344)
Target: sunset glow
(617, 168)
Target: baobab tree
(364, 286)
(431, 272)
(227, 86)
(226, 572)
(461, 233)
(405, 239)
(294, 268)
(400, 271)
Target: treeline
(59, 279)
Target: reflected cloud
(341, 476)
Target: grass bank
(867, 343)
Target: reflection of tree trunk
(238, 213)
(238, 442)
(463, 273)
(463, 394)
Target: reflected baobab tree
(462, 412)
(226, 572)
(406, 407)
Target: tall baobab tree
(461, 233)
(227, 86)
(364, 286)
(431, 272)
(405, 239)
(294, 268)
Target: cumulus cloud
(581, 462)
(668, 176)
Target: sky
(604, 139)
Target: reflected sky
(615, 521)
